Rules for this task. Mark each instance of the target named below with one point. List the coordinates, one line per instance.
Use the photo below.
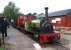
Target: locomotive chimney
(46, 12)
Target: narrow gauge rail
(59, 46)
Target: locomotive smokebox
(46, 12)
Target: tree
(11, 12)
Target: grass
(2, 49)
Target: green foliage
(11, 11)
(2, 49)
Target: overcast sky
(37, 6)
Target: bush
(2, 49)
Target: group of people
(3, 26)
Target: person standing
(6, 24)
(2, 28)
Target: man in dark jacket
(3, 27)
(6, 24)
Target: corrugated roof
(60, 13)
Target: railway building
(61, 18)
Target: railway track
(57, 46)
